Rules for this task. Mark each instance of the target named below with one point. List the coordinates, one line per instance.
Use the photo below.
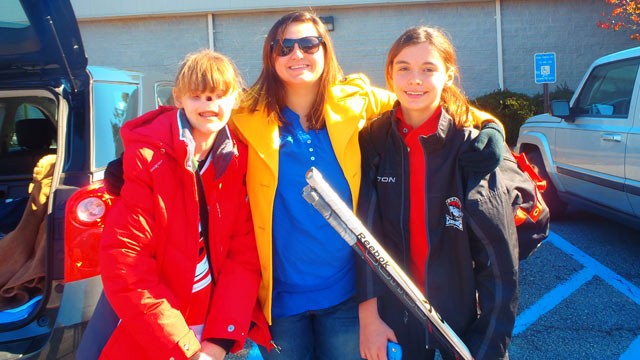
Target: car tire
(557, 207)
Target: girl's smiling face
(300, 68)
(418, 76)
(207, 112)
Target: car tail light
(85, 215)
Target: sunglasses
(308, 45)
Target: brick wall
(363, 35)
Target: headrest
(35, 134)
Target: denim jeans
(327, 334)
(101, 325)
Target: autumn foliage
(624, 15)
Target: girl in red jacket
(178, 254)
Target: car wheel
(557, 207)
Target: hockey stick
(320, 194)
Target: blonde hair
(269, 89)
(453, 99)
(207, 71)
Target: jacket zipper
(426, 216)
(403, 195)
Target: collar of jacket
(262, 132)
(166, 129)
(156, 129)
(435, 141)
(221, 153)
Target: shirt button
(308, 141)
(186, 347)
(310, 149)
(230, 328)
(405, 130)
(313, 158)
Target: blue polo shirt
(313, 267)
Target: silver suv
(588, 149)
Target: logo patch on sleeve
(454, 217)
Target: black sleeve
(114, 176)
(494, 249)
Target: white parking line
(633, 351)
(615, 280)
(551, 300)
(564, 290)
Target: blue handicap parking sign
(545, 67)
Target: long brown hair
(453, 99)
(269, 88)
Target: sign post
(545, 73)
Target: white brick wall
(362, 36)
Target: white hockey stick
(320, 194)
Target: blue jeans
(327, 334)
(101, 325)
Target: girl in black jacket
(453, 231)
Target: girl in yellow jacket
(303, 112)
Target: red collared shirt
(417, 189)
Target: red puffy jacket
(148, 251)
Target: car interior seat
(35, 134)
(34, 137)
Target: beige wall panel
(567, 28)
(123, 8)
(153, 46)
(362, 36)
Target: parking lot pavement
(574, 307)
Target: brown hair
(207, 70)
(452, 99)
(269, 89)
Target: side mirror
(561, 109)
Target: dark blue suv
(59, 127)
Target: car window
(608, 90)
(25, 111)
(12, 15)
(28, 111)
(23, 108)
(164, 93)
(114, 104)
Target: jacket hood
(167, 129)
(151, 128)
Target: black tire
(557, 207)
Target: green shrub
(511, 108)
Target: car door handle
(611, 137)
